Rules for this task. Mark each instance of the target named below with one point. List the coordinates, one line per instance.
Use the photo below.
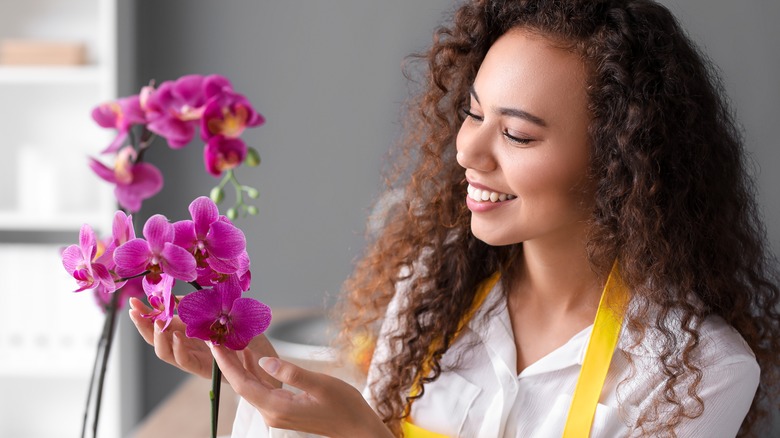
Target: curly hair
(674, 200)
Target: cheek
(552, 181)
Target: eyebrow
(513, 112)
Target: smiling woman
(577, 251)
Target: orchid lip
(486, 195)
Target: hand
(192, 355)
(327, 406)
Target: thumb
(292, 375)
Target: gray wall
(327, 76)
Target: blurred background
(327, 75)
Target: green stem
(216, 384)
(101, 342)
(109, 335)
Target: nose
(474, 148)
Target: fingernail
(269, 364)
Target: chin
(494, 239)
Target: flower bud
(251, 209)
(252, 192)
(252, 157)
(217, 194)
(232, 214)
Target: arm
(325, 406)
(727, 391)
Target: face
(524, 143)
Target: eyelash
(511, 138)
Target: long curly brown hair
(674, 203)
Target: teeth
(480, 195)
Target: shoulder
(719, 344)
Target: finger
(143, 325)
(243, 382)
(250, 361)
(185, 355)
(139, 305)
(162, 343)
(293, 375)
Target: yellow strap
(603, 340)
(412, 431)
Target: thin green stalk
(216, 384)
(101, 342)
(111, 312)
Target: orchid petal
(223, 266)
(249, 318)
(132, 257)
(116, 143)
(177, 132)
(122, 228)
(158, 231)
(72, 258)
(225, 241)
(184, 235)
(204, 212)
(178, 262)
(101, 170)
(214, 85)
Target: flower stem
(216, 384)
(109, 338)
(101, 342)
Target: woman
(571, 161)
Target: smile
(480, 195)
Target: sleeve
(727, 391)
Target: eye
(515, 139)
(470, 115)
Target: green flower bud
(252, 192)
(252, 157)
(232, 214)
(217, 194)
(251, 209)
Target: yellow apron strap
(412, 431)
(598, 356)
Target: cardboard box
(41, 52)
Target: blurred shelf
(15, 75)
(51, 221)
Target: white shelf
(50, 75)
(17, 221)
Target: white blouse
(479, 393)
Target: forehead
(524, 69)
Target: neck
(557, 277)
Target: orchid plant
(207, 251)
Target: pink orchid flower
(208, 276)
(221, 316)
(82, 262)
(211, 238)
(222, 153)
(157, 254)
(121, 114)
(135, 182)
(228, 115)
(174, 109)
(131, 288)
(161, 299)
